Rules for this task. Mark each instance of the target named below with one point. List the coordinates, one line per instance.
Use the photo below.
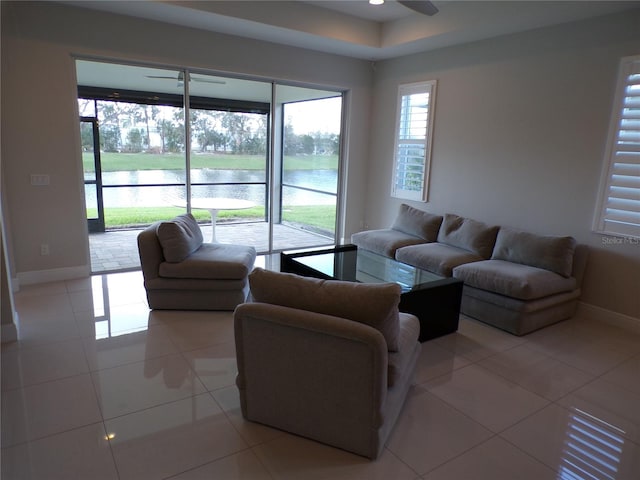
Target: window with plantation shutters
(619, 205)
(414, 127)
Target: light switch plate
(39, 179)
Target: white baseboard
(8, 332)
(593, 312)
(53, 275)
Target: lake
(152, 196)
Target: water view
(161, 194)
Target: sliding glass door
(258, 161)
(141, 159)
(310, 160)
(229, 157)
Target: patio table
(214, 205)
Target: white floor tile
(37, 333)
(195, 330)
(137, 386)
(43, 307)
(475, 340)
(215, 366)
(292, 458)
(613, 405)
(118, 289)
(594, 358)
(82, 453)
(626, 375)
(48, 408)
(112, 321)
(595, 348)
(50, 288)
(436, 361)
(253, 433)
(172, 438)
(83, 300)
(430, 432)
(78, 284)
(494, 459)
(43, 363)
(127, 348)
(489, 399)
(241, 466)
(536, 371)
(486, 404)
(576, 445)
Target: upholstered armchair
(328, 360)
(183, 273)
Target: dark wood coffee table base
(437, 307)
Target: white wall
(40, 123)
(520, 131)
(520, 128)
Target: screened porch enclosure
(274, 146)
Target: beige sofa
(515, 280)
(328, 360)
(183, 273)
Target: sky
(312, 116)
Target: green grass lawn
(118, 162)
(321, 217)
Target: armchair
(309, 365)
(183, 273)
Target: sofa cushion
(548, 252)
(436, 257)
(468, 234)
(398, 361)
(179, 237)
(418, 223)
(213, 261)
(513, 279)
(373, 304)
(385, 241)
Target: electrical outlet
(44, 249)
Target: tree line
(135, 128)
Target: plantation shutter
(414, 127)
(620, 210)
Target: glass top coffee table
(434, 299)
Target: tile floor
(99, 387)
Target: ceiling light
(376, 2)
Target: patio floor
(117, 250)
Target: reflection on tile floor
(99, 387)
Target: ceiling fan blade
(421, 6)
(180, 79)
(204, 80)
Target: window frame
(397, 181)
(604, 221)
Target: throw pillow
(548, 252)
(373, 304)
(179, 237)
(417, 223)
(468, 234)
